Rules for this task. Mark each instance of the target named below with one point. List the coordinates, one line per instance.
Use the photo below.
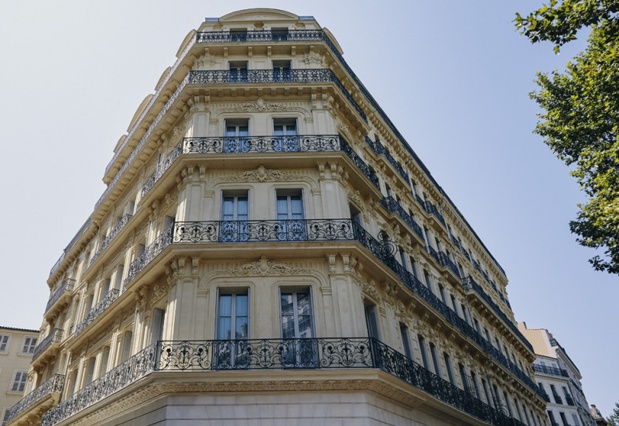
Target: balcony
(49, 392)
(451, 267)
(106, 241)
(472, 287)
(553, 371)
(259, 145)
(51, 341)
(381, 150)
(392, 206)
(312, 230)
(97, 310)
(196, 357)
(64, 290)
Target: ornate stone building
(16, 348)
(559, 380)
(269, 248)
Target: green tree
(580, 113)
(613, 419)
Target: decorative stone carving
(313, 58)
(262, 174)
(369, 289)
(265, 267)
(259, 106)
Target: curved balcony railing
(259, 144)
(67, 286)
(471, 285)
(206, 232)
(448, 263)
(53, 385)
(115, 230)
(309, 75)
(554, 371)
(55, 336)
(271, 354)
(136, 367)
(393, 206)
(97, 310)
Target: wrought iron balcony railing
(393, 206)
(97, 310)
(448, 263)
(554, 371)
(309, 75)
(471, 285)
(115, 230)
(259, 144)
(259, 36)
(270, 354)
(66, 286)
(285, 231)
(53, 385)
(381, 150)
(55, 336)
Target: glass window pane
(225, 305)
(224, 328)
(241, 305)
(242, 327)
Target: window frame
(4, 346)
(29, 344)
(21, 383)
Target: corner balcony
(59, 297)
(97, 310)
(313, 230)
(48, 346)
(40, 399)
(200, 359)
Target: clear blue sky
(453, 76)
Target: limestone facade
(269, 248)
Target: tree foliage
(580, 113)
(613, 420)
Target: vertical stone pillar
(183, 298)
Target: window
(238, 71)
(437, 371)
(119, 276)
(441, 291)
(126, 348)
(371, 321)
(105, 357)
(448, 367)
(19, 382)
(474, 380)
(285, 135)
(563, 419)
(157, 325)
(485, 386)
(509, 407)
(281, 70)
(105, 288)
(422, 349)
(426, 279)
(297, 324)
(402, 257)
(29, 344)
(291, 226)
(414, 266)
(552, 418)
(236, 136)
(235, 213)
(90, 371)
(4, 343)
(405, 342)
(232, 329)
(575, 419)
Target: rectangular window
(105, 357)
(19, 382)
(448, 367)
(291, 226)
(372, 321)
(486, 394)
(297, 325)
(232, 329)
(236, 136)
(509, 407)
(575, 419)
(235, 214)
(90, 371)
(126, 349)
(157, 326)
(281, 70)
(475, 385)
(563, 419)
(441, 291)
(552, 418)
(422, 349)
(437, 371)
(285, 135)
(4, 343)
(29, 344)
(405, 341)
(279, 34)
(238, 71)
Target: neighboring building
(559, 379)
(270, 250)
(597, 416)
(16, 349)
